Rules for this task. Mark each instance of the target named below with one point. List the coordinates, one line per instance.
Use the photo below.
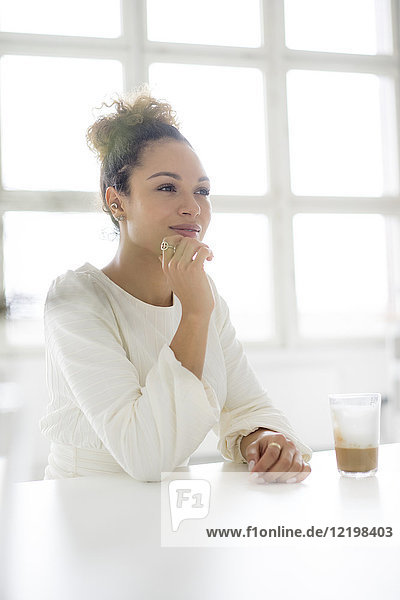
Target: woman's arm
(147, 429)
(247, 407)
(190, 342)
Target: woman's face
(170, 189)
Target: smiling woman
(142, 358)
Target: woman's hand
(274, 464)
(186, 275)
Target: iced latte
(356, 424)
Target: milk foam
(355, 426)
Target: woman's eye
(167, 185)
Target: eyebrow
(174, 175)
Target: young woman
(142, 358)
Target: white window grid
(274, 59)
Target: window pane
(223, 23)
(351, 26)
(221, 110)
(341, 274)
(335, 134)
(93, 18)
(43, 133)
(242, 271)
(39, 246)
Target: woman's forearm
(190, 342)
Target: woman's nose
(190, 205)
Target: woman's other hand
(274, 464)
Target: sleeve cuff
(230, 445)
(240, 456)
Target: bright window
(223, 23)
(97, 18)
(46, 106)
(217, 117)
(39, 246)
(352, 26)
(335, 134)
(242, 271)
(341, 274)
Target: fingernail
(253, 476)
(292, 480)
(251, 465)
(260, 479)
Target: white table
(99, 538)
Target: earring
(121, 217)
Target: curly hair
(120, 138)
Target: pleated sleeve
(247, 405)
(147, 429)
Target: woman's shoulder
(76, 284)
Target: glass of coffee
(356, 426)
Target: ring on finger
(165, 246)
(275, 444)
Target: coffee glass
(356, 426)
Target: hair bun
(131, 109)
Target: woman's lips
(186, 232)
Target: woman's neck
(140, 273)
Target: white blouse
(119, 397)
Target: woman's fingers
(294, 468)
(191, 253)
(168, 253)
(202, 255)
(185, 249)
(291, 477)
(282, 467)
(306, 470)
(271, 449)
(281, 461)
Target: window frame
(279, 204)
